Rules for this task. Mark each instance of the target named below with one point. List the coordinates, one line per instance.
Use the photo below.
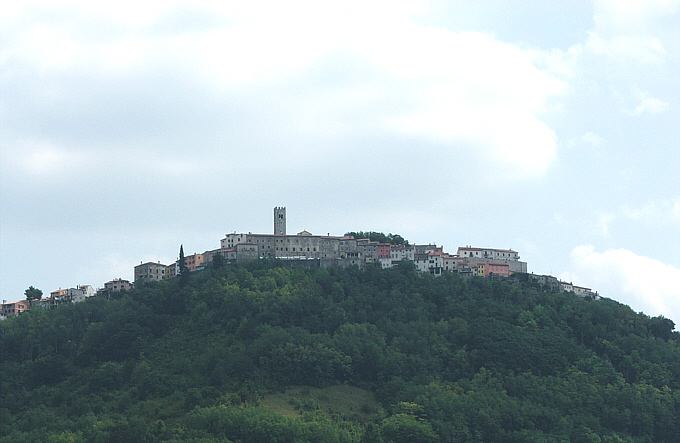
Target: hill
(265, 353)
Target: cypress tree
(182, 262)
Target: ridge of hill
(261, 352)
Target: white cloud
(603, 222)
(649, 104)
(644, 283)
(592, 139)
(631, 15)
(47, 160)
(661, 212)
(463, 89)
(628, 29)
(624, 47)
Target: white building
(487, 253)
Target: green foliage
(33, 293)
(394, 239)
(218, 261)
(448, 360)
(182, 261)
(404, 428)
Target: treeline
(394, 239)
(449, 361)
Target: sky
(548, 127)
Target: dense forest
(267, 353)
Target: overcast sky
(552, 128)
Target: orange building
(117, 285)
(58, 293)
(194, 262)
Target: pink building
(488, 270)
(384, 250)
(14, 308)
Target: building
(584, 292)
(566, 287)
(44, 303)
(402, 252)
(150, 272)
(384, 250)
(450, 262)
(545, 280)
(117, 285)
(287, 246)
(328, 250)
(493, 270)
(227, 254)
(435, 262)
(368, 250)
(194, 262)
(59, 293)
(476, 256)
(76, 295)
(13, 308)
(487, 253)
(171, 270)
(279, 221)
(347, 251)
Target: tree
(218, 260)
(33, 294)
(394, 239)
(404, 428)
(182, 261)
(661, 327)
(183, 271)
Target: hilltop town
(306, 249)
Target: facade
(171, 270)
(583, 292)
(476, 256)
(80, 293)
(194, 262)
(385, 262)
(545, 280)
(450, 262)
(402, 252)
(228, 255)
(59, 293)
(150, 272)
(435, 262)
(488, 253)
(14, 308)
(61, 296)
(288, 246)
(368, 250)
(117, 285)
(384, 250)
(493, 270)
(44, 303)
(279, 221)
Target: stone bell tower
(279, 221)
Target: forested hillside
(265, 353)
